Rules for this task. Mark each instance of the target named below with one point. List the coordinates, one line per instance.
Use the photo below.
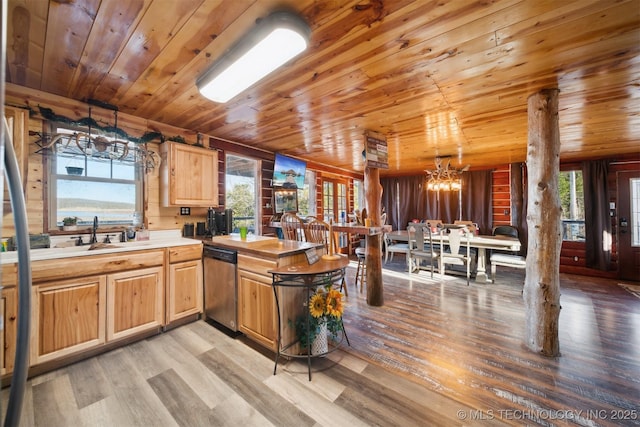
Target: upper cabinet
(189, 175)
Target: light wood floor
(437, 353)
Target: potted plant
(70, 223)
(324, 318)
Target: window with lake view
(86, 182)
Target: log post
(542, 281)
(518, 216)
(373, 257)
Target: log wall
(501, 197)
(572, 254)
(168, 218)
(156, 216)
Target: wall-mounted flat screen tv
(288, 172)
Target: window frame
(257, 191)
(338, 197)
(570, 225)
(310, 189)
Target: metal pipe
(21, 364)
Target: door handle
(623, 225)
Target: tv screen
(288, 172)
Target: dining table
(478, 241)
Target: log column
(373, 197)
(542, 282)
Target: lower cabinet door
(135, 302)
(68, 316)
(9, 313)
(185, 290)
(256, 308)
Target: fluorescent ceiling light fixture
(273, 42)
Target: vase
(320, 345)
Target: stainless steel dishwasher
(220, 289)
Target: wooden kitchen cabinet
(257, 316)
(189, 175)
(83, 303)
(256, 303)
(184, 290)
(256, 308)
(67, 316)
(135, 302)
(9, 313)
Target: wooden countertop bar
(266, 247)
(351, 229)
(304, 268)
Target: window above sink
(102, 178)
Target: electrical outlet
(185, 211)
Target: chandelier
(444, 177)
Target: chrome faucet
(94, 238)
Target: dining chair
(438, 223)
(361, 269)
(317, 231)
(471, 226)
(458, 252)
(358, 216)
(292, 227)
(391, 247)
(421, 246)
(505, 230)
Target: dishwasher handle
(222, 254)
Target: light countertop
(157, 240)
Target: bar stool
(361, 270)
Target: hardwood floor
(437, 353)
(468, 343)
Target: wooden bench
(506, 260)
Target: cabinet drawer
(55, 269)
(9, 275)
(184, 253)
(256, 265)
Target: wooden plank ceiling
(438, 78)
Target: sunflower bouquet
(325, 307)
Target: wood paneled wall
(572, 250)
(572, 254)
(159, 218)
(33, 190)
(156, 217)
